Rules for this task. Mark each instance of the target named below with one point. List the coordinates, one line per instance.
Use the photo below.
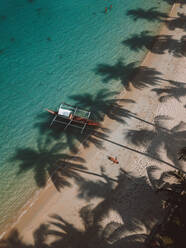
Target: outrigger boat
(69, 115)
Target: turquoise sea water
(49, 50)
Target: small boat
(69, 115)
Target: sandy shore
(145, 142)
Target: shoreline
(42, 196)
(37, 194)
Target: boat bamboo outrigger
(69, 115)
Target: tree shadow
(127, 199)
(132, 234)
(182, 154)
(150, 15)
(104, 104)
(156, 181)
(182, 2)
(174, 90)
(168, 181)
(157, 44)
(153, 15)
(145, 40)
(47, 160)
(126, 74)
(172, 227)
(171, 140)
(177, 22)
(93, 235)
(14, 240)
(132, 241)
(40, 236)
(69, 137)
(182, 47)
(101, 104)
(89, 189)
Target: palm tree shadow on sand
(93, 235)
(170, 140)
(104, 104)
(146, 40)
(126, 74)
(177, 22)
(15, 240)
(153, 15)
(88, 189)
(47, 160)
(174, 90)
(125, 199)
(173, 184)
(133, 233)
(150, 15)
(168, 181)
(157, 44)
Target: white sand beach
(145, 141)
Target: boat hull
(77, 119)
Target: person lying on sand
(114, 160)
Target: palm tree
(48, 160)
(170, 139)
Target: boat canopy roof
(64, 112)
(66, 109)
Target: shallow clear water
(49, 50)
